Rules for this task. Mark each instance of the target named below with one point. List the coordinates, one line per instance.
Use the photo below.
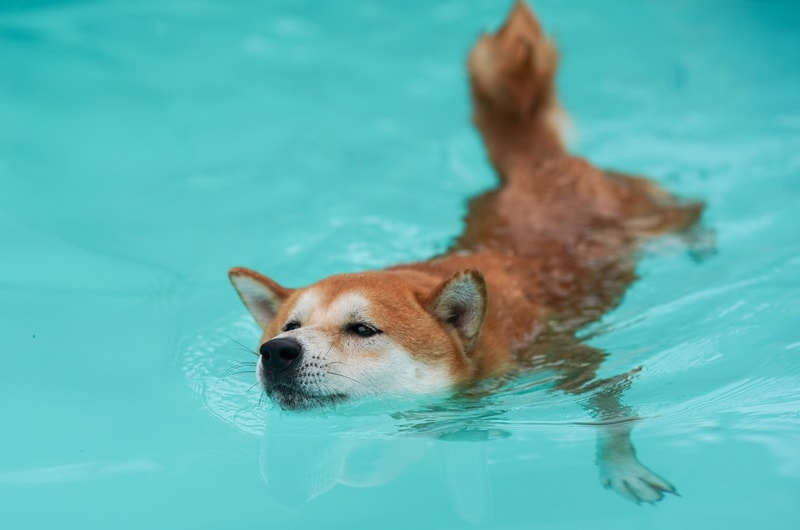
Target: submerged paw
(634, 481)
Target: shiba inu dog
(548, 251)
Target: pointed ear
(262, 296)
(461, 302)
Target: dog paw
(631, 479)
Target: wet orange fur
(547, 252)
(555, 242)
(399, 302)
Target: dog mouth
(289, 397)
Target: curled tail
(544, 192)
(511, 75)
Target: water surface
(146, 147)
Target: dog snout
(280, 354)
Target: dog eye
(362, 330)
(289, 326)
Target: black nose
(280, 354)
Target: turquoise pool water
(146, 147)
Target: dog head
(371, 333)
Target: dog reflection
(297, 467)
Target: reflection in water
(466, 475)
(298, 466)
(305, 455)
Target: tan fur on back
(556, 240)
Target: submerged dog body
(548, 251)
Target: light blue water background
(147, 146)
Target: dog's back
(556, 240)
(546, 195)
